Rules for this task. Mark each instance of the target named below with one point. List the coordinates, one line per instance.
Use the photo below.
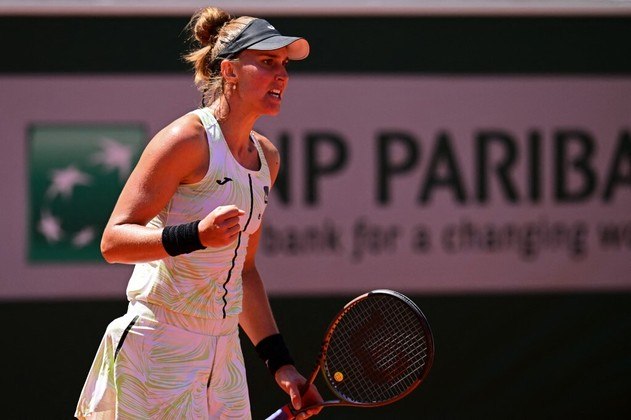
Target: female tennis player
(189, 218)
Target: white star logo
(84, 237)
(64, 181)
(50, 227)
(114, 156)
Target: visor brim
(297, 48)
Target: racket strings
(377, 351)
(375, 367)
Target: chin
(273, 112)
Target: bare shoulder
(180, 147)
(185, 132)
(272, 155)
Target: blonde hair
(212, 29)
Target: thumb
(294, 395)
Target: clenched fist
(221, 226)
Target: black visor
(258, 34)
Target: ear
(228, 71)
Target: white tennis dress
(176, 353)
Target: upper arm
(174, 156)
(250, 256)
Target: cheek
(256, 79)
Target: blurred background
(474, 155)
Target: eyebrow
(269, 54)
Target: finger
(304, 415)
(233, 231)
(229, 222)
(227, 212)
(235, 210)
(313, 395)
(314, 411)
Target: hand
(220, 227)
(293, 383)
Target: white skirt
(156, 364)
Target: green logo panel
(76, 173)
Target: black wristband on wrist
(273, 351)
(181, 239)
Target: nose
(282, 74)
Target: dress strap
(206, 116)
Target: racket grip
(284, 413)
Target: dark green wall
(445, 45)
(498, 356)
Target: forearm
(130, 244)
(256, 318)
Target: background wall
(546, 349)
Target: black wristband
(181, 239)
(273, 351)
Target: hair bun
(206, 24)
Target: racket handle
(285, 413)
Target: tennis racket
(377, 350)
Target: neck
(235, 124)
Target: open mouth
(275, 93)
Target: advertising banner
(417, 183)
